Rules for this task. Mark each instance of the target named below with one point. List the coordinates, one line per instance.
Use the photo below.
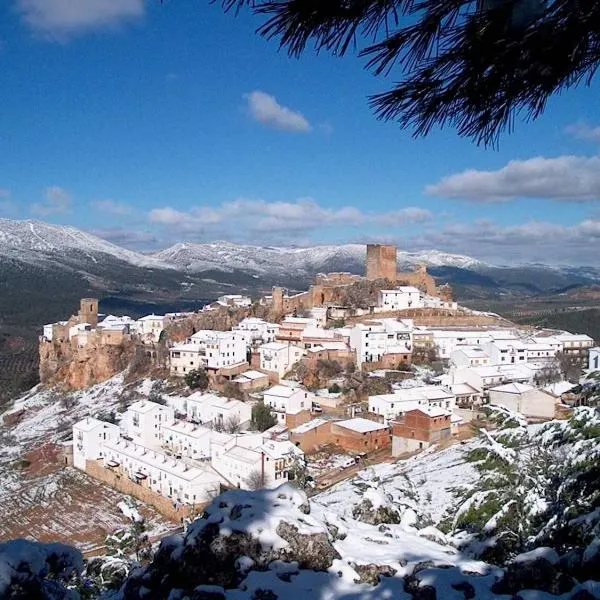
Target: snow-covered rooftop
(309, 426)
(361, 425)
(282, 391)
(512, 388)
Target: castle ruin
(381, 265)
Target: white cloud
(134, 239)
(565, 178)
(7, 207)
(61, 19)
(534, 241)
(584, 131)
(58, 202)
(256, 218)
(111, 207)
(265, 109)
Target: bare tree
(569, 367)
(255, 480)
(232, 425)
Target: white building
(182, 481)
(89, 435)
(268, 463)
(447, 340)
(187, 440)
(143, 420)
(401, 298)
(319, 314)
(525, 399)
(219, 411)
(372, 340)
(112, 322)
(186, 358)
(208, 349)
(594, 359)
(279, 357)
(256, 331)
(539, 352)
(469, 356)
(390, 406)
(150, 327)
(284, 400)
(235, 300)
(574, 342)
(506, 351)
(79, 328)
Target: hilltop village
(246, 392)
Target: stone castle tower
(88, 311)
(381, 262)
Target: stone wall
(437, 317)
(121, 482)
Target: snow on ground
(321, 463)
(48, 415)
(424, 482)
(44, 501)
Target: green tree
(197, 379)
(156, 393)
(472, 65)
(262, 419)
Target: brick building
(420, 428)
(360, 435)
(311, 436)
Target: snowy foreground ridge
(513, 515)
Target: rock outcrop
(71, 367)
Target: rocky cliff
(71, 367)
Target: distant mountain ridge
(271, 260)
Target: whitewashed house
(401, 298)
(143, 420)
(446, 340)
(150, 327)
(187, 440)
(112, 322)
(182, 481)
(284, 400)
(235, 300)
(279, 357)
(256, 331)
(529, 401)
(506, 352)
(469, 356)
(210, 350)
(267, 463)
(539, 352)
(218, 411)
(89, 435)
(373, 340)
(185, 358)
(390, 406)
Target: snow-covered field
(42, 501)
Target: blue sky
(151, 124)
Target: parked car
(348, 462)
(316, 407)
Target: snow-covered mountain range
(35, 242)
(269, 260)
